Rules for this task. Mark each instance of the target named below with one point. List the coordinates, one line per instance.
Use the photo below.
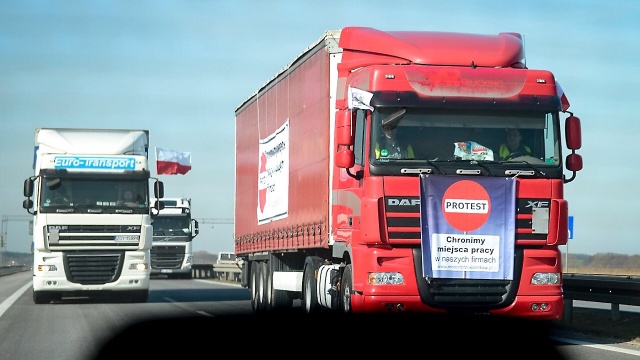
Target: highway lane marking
(11, 299)
(597, 346)
(234, 284)
(187, 308)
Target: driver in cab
(129, 199)
(391, 147)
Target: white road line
(186, 307)
(11, 299)
(597, 346)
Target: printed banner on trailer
(170, 162)
(468, 227)
(273, 176)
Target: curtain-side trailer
(328, 212)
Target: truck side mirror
(574, 162)
(195, 228)
(158, 189)
(345, 158)
(344, 128)
(28, 187)
(573, 133)
(28, 204)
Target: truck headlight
(545, 279)
(139, 266)
(386, 278)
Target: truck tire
(310, 284)
(262, 286)
(276, 299)
(41, 297)
(253, 285)
(346, 288)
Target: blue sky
(180, 69)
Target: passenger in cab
(513, 146)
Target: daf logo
(537, 204)
(403, 202)
(57, 227)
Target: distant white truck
(226, 258)
(87, 239)
(227, 266)
(173, 233)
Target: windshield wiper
(535, 168)
(432, 163)
(482, 163)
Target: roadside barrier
(228, 272)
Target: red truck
(329, 211)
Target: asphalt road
(189, 318)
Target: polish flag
(169, 162)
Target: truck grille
(403, 220)
(92, 268)
(61, 237)
(167, 257)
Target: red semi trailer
(330, 212)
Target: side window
(360, 131)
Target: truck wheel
(262, 286)
(276, 299)
(309, 284)
(253, 285)
(346, 287)
(41, 297)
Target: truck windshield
(80, 194)
(171, 226)
(414, 136)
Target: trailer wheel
(276, 299)
(309, 284)
(253, 285)
(262, 286)
(346, 288)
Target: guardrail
(228, 272)
(12, 269)
(612, 289)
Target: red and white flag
(169, 162)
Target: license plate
(127, 237)
(164, 271)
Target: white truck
(173, 233)
(86, 240)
